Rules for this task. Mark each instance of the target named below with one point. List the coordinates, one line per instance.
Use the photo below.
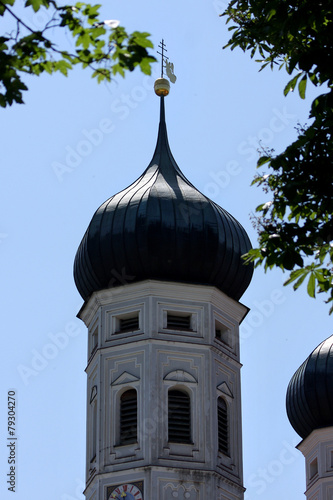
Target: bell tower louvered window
(94, 340)
(127, 323)
(178, 321)
(223, 426)
(179, 417)
(93, 413)
(128, 417)
(94, 431)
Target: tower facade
(161, 274)
(310, 411)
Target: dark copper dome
(310, 391)
(161, 227)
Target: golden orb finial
(162, 87)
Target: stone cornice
(106, 475)
(318, 436)
(167, 290)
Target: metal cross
(164, 58)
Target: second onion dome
(310, 391)
(161, 227)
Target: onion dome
(161, 227)
(310, 391)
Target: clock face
(127, 492)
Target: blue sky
(70, 147)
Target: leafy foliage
(295, 228)
(107, 51)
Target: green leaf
(299, 276)
(142, 39)
(291, 84)
(37, 4)
(145, 65)
(97, 32)
(84, 40)
(63, 66)
(311, 288)
(271, 14)
(302, 87)
(262, 160)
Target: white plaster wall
(152, 360)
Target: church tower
(310, 411)
(161, 275)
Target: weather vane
(165, 63)
(162, 85)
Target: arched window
(179, 417)
(94, 431)
(223, 426)
(93, 442)
(128, 417)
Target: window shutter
(179, 417)
(223, 426)
(94, 431)
(175, 322)
(129, 324)
(128, 417)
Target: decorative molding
(181, 358)
(180, 491)
(121, 365)
(177, 451)
(230, 356)
(238, 488)
(141, 289)
(224, 388)
(125, 378)
(323, 435)
(93, 393)
(180, 376)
